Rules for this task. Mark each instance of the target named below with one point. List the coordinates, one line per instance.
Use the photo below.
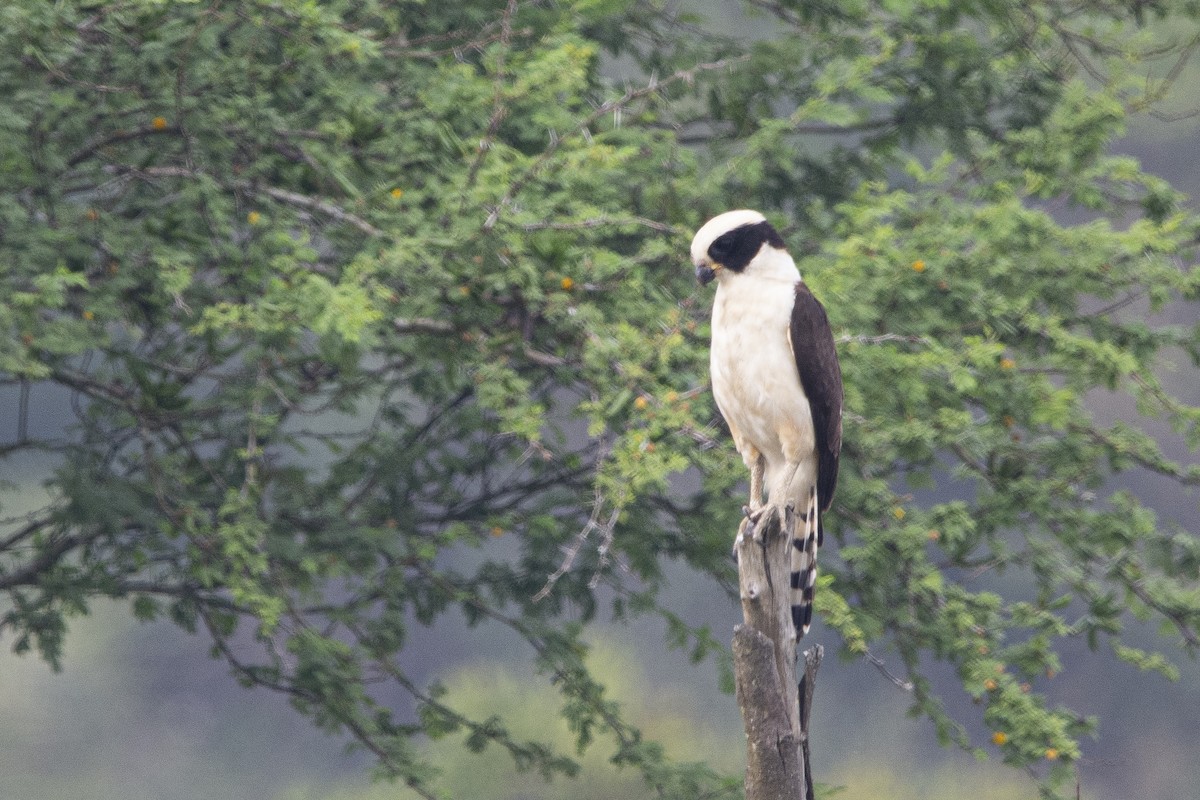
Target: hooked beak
(706, 272)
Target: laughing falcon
(776, 380)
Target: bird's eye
(721, 247)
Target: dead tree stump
(764, 661)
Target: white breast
(754, 377)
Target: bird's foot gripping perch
(754, 513)
(757, 521)
(750, 526)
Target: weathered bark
(808, 684)
(764, 661)
(773, 769)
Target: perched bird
(776, 380)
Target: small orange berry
(497, 530)
(1051, 754)
(999, 738)
(641, 402)
(567, 284)
(918, 266)
(990, 685)
(88, 315)
(1007, 363)
(984, 650)
(159, 123)
(1026, 688)
(650, 447)
(253, 217)
(397, 193)
(934, 535)
(92, 215)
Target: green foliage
(376, 311)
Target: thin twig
(1181, 623)
(326, 207)
(34, 524)
(422, 325)
(883, 339)
(878, 663)
(572, 551)
(499, 109)
(598, 222)
(88, 150)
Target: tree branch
(326, 207)
(29, 572)
(88, 150)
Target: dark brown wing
(821, 377)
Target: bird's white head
(734, 241)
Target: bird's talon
(737, 543)
(753, 513)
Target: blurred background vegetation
(329, 327)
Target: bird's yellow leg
(758, 468)
(754, 511)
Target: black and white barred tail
(804, 563)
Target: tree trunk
(764, 661)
